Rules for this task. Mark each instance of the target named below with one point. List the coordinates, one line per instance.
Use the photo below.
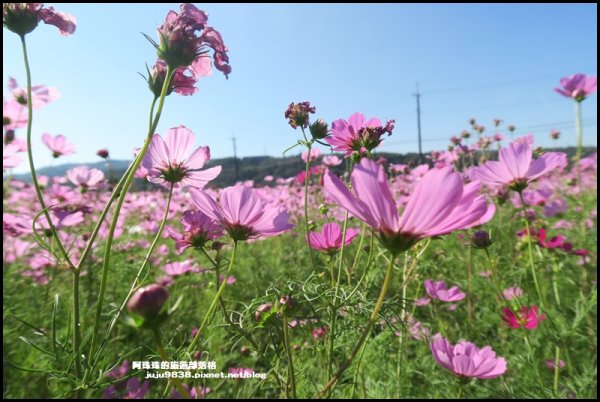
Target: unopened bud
(148, 301)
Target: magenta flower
(181, 46)
(577, 86)
(516, 168)
(330, 240)
(467, 360)
(10, 159)
(58, 145)
(527, 318)
(22, 18)
(85, 177)
(440, 204)
(437, 290)
(358, 135)
(167, 163)
(197, 230)
(242, 214)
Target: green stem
(288, 350)
(579, 134)
(367, 330)
(133, 286)
(76, 329)
(113, 197)
(116, 213)
(556, 368)
(36, 184)
(306, 182)
(530, 252)
(213, 305)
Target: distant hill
(249, 168)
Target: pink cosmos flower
(180, 268)
(167, 163)
(527, 318)
(577, 86)
(10, 159)
(358, 134)
(512, 292)
(181, 46)
(331, 160)
(184, 79)
(58, 145)
(22, 18)
(440, 204)
(320, 332)
(516, 168)
(85, 177)
(314, 154)
(467, 360)
(330, 240)
(242, 214)
(437, 290)
(40, 94)
(197, 230)
(14, 115)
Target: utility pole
(418, 96)
(235, 161)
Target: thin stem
(579, 134)
(113, 197)
(116, 213)
(135, 283)
(36, 184)
(213, 305)
(306, 182)
(530, 252)
(288, 350)
(76, 329)
(556, 368)
(367, 330)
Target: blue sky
(482, 61)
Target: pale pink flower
(467, 360)
(14, 115)
(331, 160)
(85, 177)
(314, 154)
(242, 214)
(577, 86)
(10, 159)
(58, 145)
(180, 268)
(516, 167)
(512, 292)
(166, 160)
(550, 363)
(40, 94)
(437, 290)
(330, 240)
(440, 204)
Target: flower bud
(147, 302)
(264, 308)
(103, 153)
(245, 351)
(319, 129)
(481, 239)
